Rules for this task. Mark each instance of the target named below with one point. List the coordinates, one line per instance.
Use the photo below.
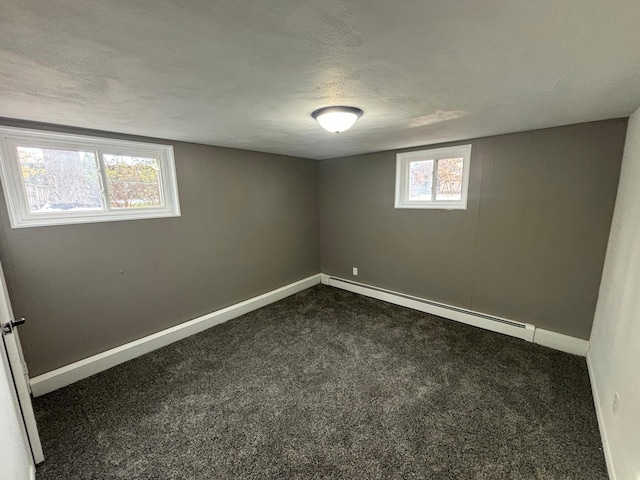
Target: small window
(437, 178)
(54, 178)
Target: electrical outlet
(355, 271)
(616, 402)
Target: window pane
(449, 179)
(59, 180)
(420, 180)
(133, 182)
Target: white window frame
(403, 161)
(15, 193)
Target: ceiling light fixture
(337, 119)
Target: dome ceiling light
(337, 119)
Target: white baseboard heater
(524, 331)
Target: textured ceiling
(248, 73)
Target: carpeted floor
(328, 384)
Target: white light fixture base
(337, 119)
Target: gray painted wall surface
(249, 225)
(530, 246)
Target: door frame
(17, 369)
(17, 457)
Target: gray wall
(530, 246)
(249, 225)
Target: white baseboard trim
(601, 425)
(32, 472)
(324, 278)
(524, 331)
(63, 376)
(561, 342)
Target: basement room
(294, 239)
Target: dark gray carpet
(329, 384)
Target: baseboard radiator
(524, 331)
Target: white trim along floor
(73, 372)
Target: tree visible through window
(450, 172)
(59, 180)
(435, 178)
(421, 181)
(53, 178)
(133, 182)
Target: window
(54, 178)
(436, 178)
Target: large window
(436, 178)
(54, 178)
